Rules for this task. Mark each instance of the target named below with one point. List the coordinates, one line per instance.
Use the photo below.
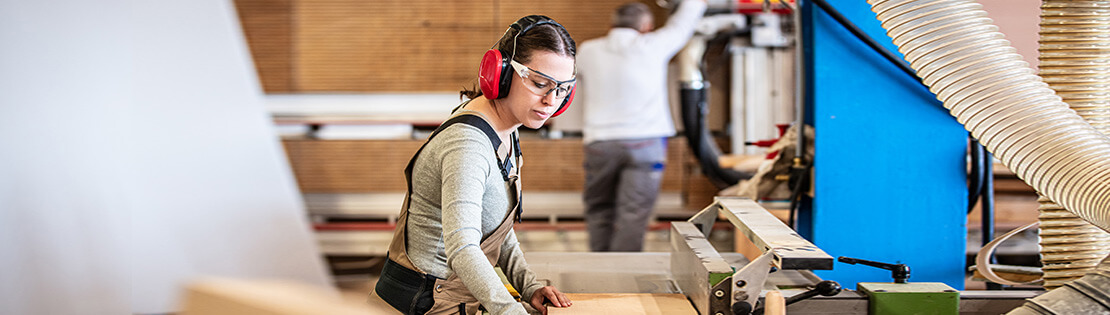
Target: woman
(464, 186)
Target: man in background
(622, 78)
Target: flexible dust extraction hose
(695, 108)
(1087, 295)
(1075, 62)
(986, 85)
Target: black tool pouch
(406, 290)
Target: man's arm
(679, 28)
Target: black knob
(827, 288)
(741, 308)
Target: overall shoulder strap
(398, 246)
(468, 119)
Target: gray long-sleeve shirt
(458, 198)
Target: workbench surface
(631, 272)
(626, 303)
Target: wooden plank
(225, 296)
(745, 246)
(770, 234)
(625, 304)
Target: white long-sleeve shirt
(622, 78)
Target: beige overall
(451, 295)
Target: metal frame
(709, 281)
(766, 231)
(699, 270)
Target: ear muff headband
(494, 71)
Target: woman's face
(532, 100)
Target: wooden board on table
(225, 296)
(625, 304)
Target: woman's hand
(551, 294)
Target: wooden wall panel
(678, 156)
(311, 46)
(401, 46)
(552, 165)
(556, 165)
(267, 25)
(350, 166)
(583, 19)
(366, 166)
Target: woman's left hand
(551, 294)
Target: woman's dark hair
(544, 37)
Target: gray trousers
(622, 183)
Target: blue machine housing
(890, 171)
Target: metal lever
(899, 272)
(823, 288)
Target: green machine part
(910, 298)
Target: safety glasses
(542, 84)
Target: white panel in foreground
(137, 155)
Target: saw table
(716, 283)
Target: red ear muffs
(566, 101)
(494, 74)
